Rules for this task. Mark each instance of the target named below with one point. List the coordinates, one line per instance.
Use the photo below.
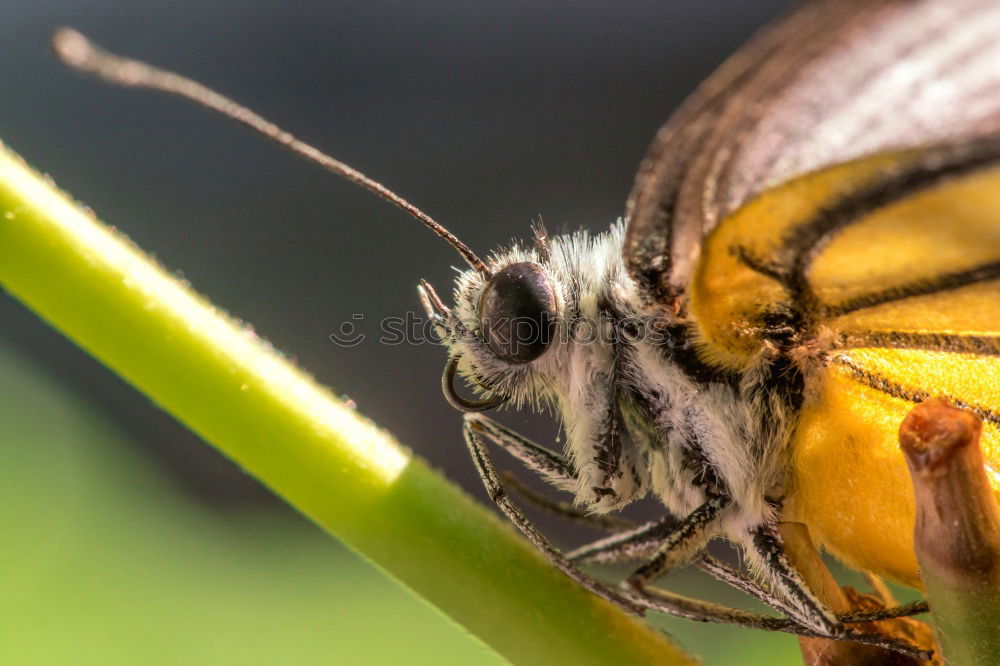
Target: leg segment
(607, 522)
(627, 546)
(484, 465)
(700, 611)
(684, 544)
(801, 604)
(549, 465)
(616, 525)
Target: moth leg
(721, 571)
(707, 563)
(651, 598)
(670, 603)
(627, 546)
(702, 611)
(635, 543)
(802, 604)
(683, 544)
(472, 429)
(889, 613)
(628, 599)
(551, 466)
(606, 522)
(616, 525)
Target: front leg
(549, 465)
(473, 429)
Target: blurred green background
(124, 539)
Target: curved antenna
(81, 54)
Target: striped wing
(833, 81)
(883, 277)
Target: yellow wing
(883, 277)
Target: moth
(812, 245)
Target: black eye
(518, 313)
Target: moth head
(503, 326)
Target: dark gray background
(484, 114)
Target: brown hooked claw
(457, 401)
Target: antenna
(81, 54)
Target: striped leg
(627, 546)
(549, 465)
(801, 604)
(684, 543)
(476, 427)
(473, 429)
(636, 601)
(630, 600)
(719, 570)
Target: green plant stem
(337, 468)
(957, 532)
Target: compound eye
(518, 313)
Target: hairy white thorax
(637, 418)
